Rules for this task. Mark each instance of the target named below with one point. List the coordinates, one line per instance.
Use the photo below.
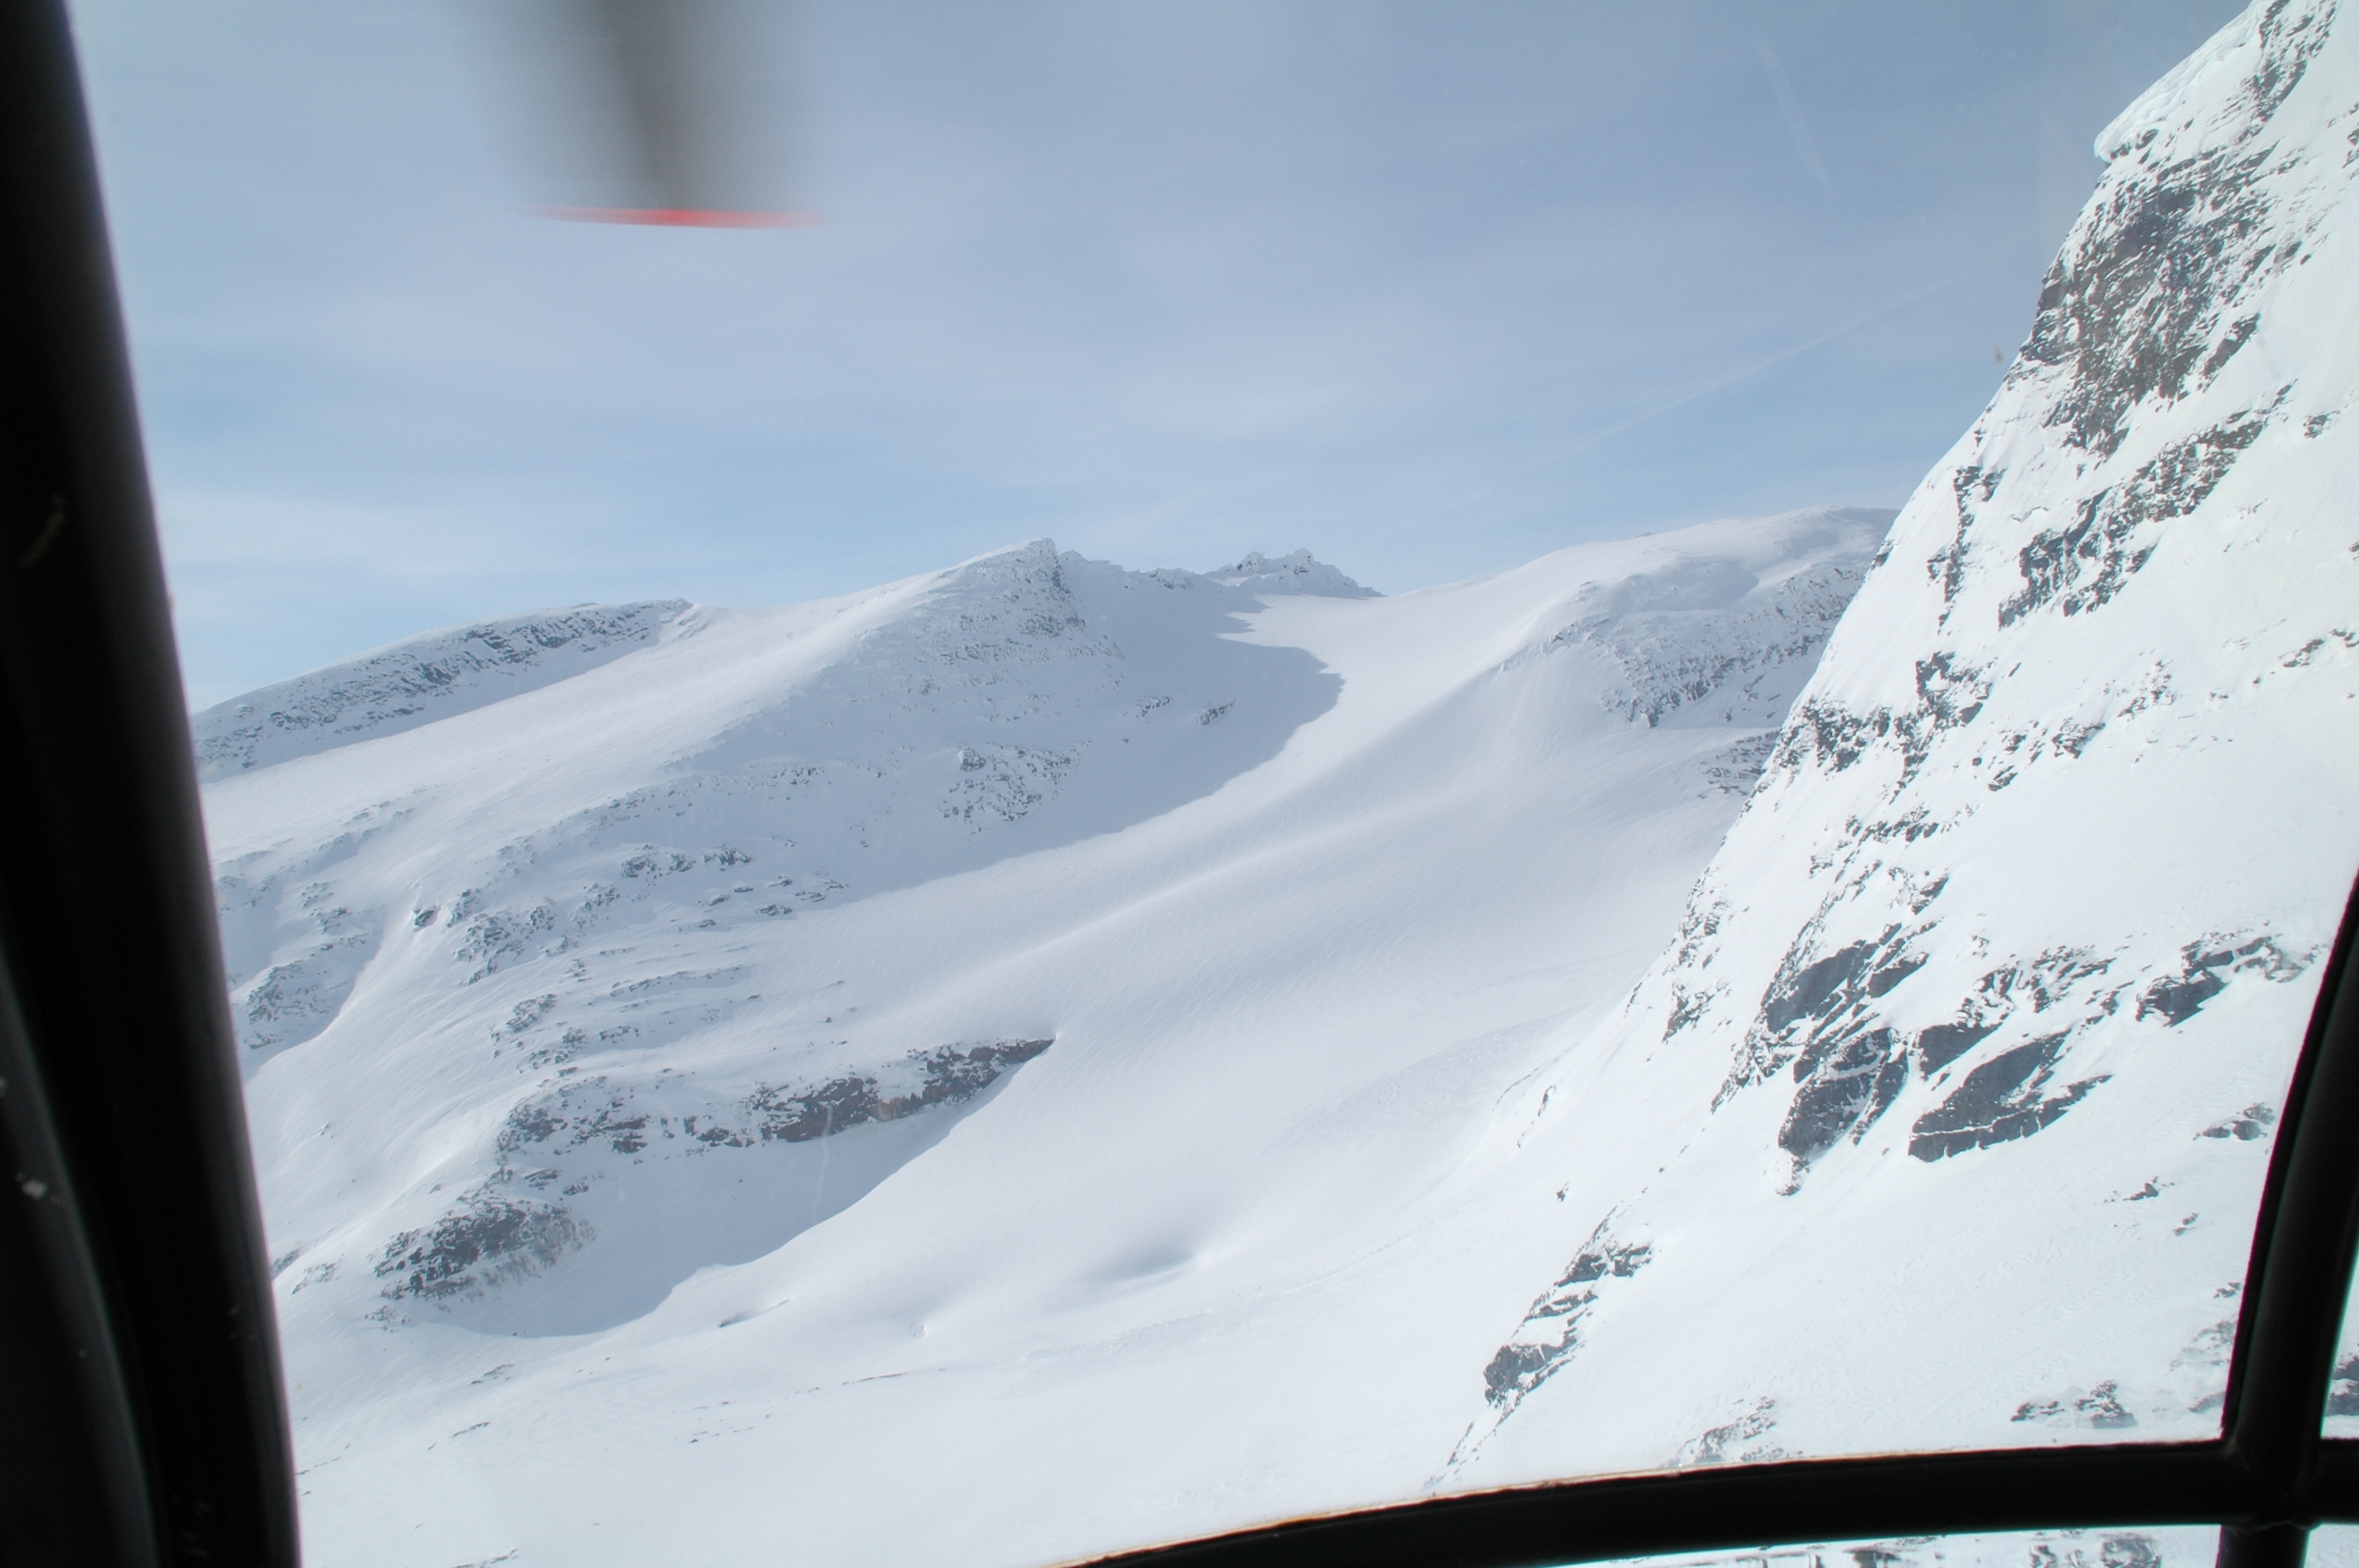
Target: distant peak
(1299, 572)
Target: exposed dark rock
(2289, 38)
(2342, 1392)
(2000, 1101)
(2247, 1125)
(2121, 1552)
(1736, 770)
(585, 1111)
(1893, 973)
(2139, 302)
(500, 936)
(1831, 733)
(1686, 1008)
(2100, 1408)
(947, 1074)
(1515, 1371)
(293, 1001)
(1817, 1015)
(1849, 1090)
(490, 1239)
(1812, 991)
(1003, 782)
(1526, 1361)
(2082, 567)
(1734, 1440)
(528, 1124)
(429, 678)
(529, 1012)
(1944, 1043)
(2205, 969)
(1971, 485)
(2235, 338)
(1950, 695)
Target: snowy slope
(1100, 949)
(1415, 1055)
(1961, 1072)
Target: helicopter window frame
(127, 1036)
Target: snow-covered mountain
(1140, 937)
(418, 682)
(1967, 1050)
(1041, 1058)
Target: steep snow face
(1033, 987)
(1961, 1072)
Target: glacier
(1116, 1055)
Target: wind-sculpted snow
(1703, 642)
(1955, 1089)
(418, 682)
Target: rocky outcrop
(420, 681)
(2056, 794)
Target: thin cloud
(1717, 382)
(1310, 276)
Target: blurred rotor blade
(674, 112)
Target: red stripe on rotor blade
(679, 217)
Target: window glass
(1783, 933)
(2342, 1386)
(2164, 1546)
(2333, 1546)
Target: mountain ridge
(601, 874)
(1795, 987)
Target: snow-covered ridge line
(1295, 573)
(443, 673)
(418, 681)
(1713, 638)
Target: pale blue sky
(1429, 288)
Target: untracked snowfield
(1041, 1058)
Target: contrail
(1791, 107)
